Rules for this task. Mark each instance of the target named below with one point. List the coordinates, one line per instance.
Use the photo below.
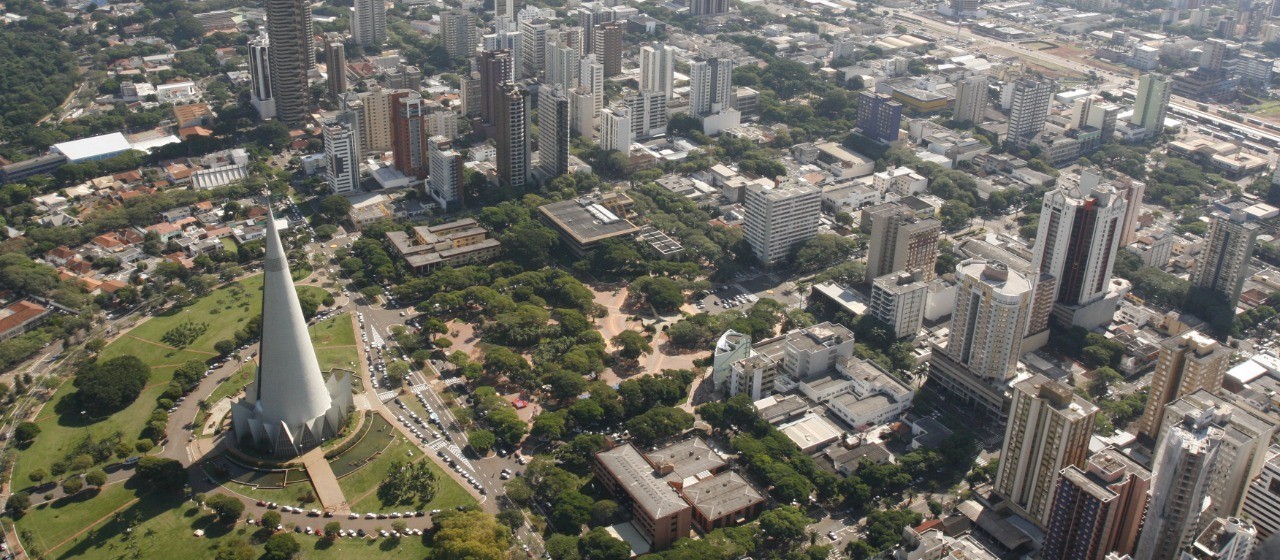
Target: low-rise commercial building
(455, 244)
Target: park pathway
(325, 483)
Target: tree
(603, 512)
(821, 251)
(37, 476)
(662, 293)
(784, 525)
(659, 423)
(17, 504)
(106, 387)
(26, 433)
(271, 519)
(481, 441)
(96, 478)
(162, 472)
(631, 344)
(396, 372)
(570, 511)
(471, 535)
(563, 547)
(335, 207)
(226, 507)
(72, 485)
(224, 347)
(281, 546)
(956, 214)
(235, 549)
(598, 544)
(511, 517)
(331, 530)
(884, 528)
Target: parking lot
(746, 290)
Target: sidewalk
(325, 483)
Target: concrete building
(457, 243)
(587, 220)
(292, 55)
(710, 85)
(780, 218)
(336, 80)
(1224, 263)
(615, 129)
(342, 155)
(1188, 363)
(901, 239)
(1076, 244)
(972, 94)
(409, 135)
(514, 157)
(562, 66)
(533, 41)
(648, 112)
(377, 134)
(899, 300)
(1262, 501)
(260, 95)
(553, 133)
(291, 406)
(979, 360)
(708, 7)
(657, 68)
(1152, 103)
(444, 184)
(1029, 108)
(879, 116)
(731, 348)
(606, 43)
(458, 33)
(369, 24)
(1097, 509)
(591, 79)
(778, 364)
(1225, 539)
(1048, 430)
(496, 70)
(658, 511)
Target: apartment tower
(1188, 363)
(1097, 509)
(900, 240)
(513, 136)
(780, 218)
(292, 55)
(1224, 263)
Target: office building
(778, 219)
(879, 116)
(1152, 103)
(1245, 434)
(1029, 108)
(781, 363)
(586, 221)
(260, 95)
(972, 94)
(291, 57)
(409, 135)
(342, 155)
(607, 45)
(898, 299)
(451, 244)
(615, 129)
(648, 111)
(1103, 116)
(553, 133)
(1225, 539)
(458, 33)
(533, 41)
(336, 61)
(444, 183)
(290, 407)
(979, 359)
(369, 23)
(514, 157)
(901, 240)
(657, 68)
(1224, 263)
(1188, 363)
(710, 85)
(496, 69)
(1097, 509)
(1048, 430)
(1076, 244)
(1262, 501)
(708, 7)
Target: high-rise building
(504, 11)
(992, 310)
(1218, 55)
(369, 24)
(351, 105)
(607, 42)
(1224, 263)
(657, 68)
(379, 111)
(898, 299)
(1152, 103)
(780, 218)
(1048, 430)
(1182, 469)
(336, 80)
(533, 40)
(1188, 363)
(1029, 108)
(495, 71)
(511, 41)
(648, 111)
(971, 99)
(901, 240)
(1102, 116)
(582, 120)
(1262, 501)
(444, 184)
(710, 85)
(964, 7)
(292, 55)
(458, 33)
(588, 18)
(562, 66)
(1097, 509)
(289, 407)
(1225, 539)
(879, 116)
(615, 129)
(1076, 244)
(708, 7)
(342, 155)
(591, 77)
(260, 95)
(553, 133)
(409, 133)
(513, 136)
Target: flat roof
(576, 219)
(93, 146)
(810, 431)
(686, 458)
(722, 495)
(635, 476)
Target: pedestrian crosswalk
(386, 396)
(437, 444)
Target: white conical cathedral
(289, 407)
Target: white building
(369, 24)
(899, 300)
(1262, 502)
(780, 218)
(615, 129)
(260, 75)
(902, 181)
(177, 92)
(444, 184)
(657, 68)
(1076, 244)
(710, 84)
(342, 156)
(648, 112)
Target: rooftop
(722, 495)
(20, 313)
(587, 220)
(686, 458)
(634, 475)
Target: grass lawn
(1268, 108)
(290, 495)
(335, 331)
(229, 245)
(365, 481)
(163, 527)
